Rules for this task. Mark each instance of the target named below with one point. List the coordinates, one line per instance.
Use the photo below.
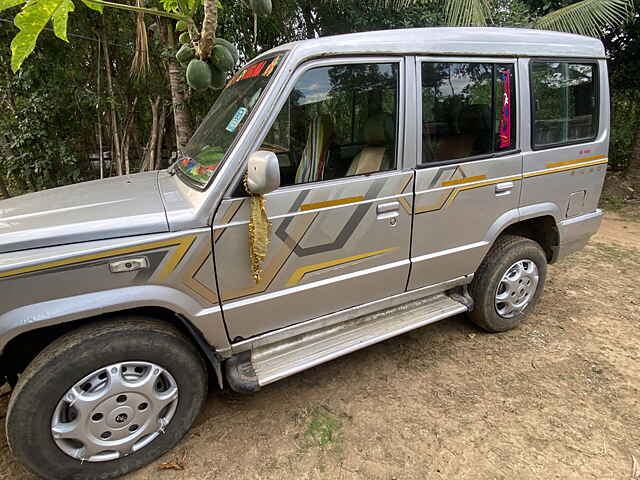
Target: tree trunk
(209, 27)
(161, 122)
(308, 20)
(179, 90)
(634, 161)
(154, 134)
(4, 191)
(126, 134)
(114, 122)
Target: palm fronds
(467, 13)
(587, 17)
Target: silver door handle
(387, 207)
(504, 187)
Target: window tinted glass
(338, 121)
(466, 110)
(564, 102)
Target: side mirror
(263, 172)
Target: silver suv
(407, 176)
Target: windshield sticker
(249, 72)
(237, 118)
(272, 66)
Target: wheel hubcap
(114, 411)
(516, 288)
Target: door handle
(387, 207)
(388, 211)
(504, 187)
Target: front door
(469, 179)
(341, 220)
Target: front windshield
(225, 120)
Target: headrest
(379, 129)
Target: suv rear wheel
(508, 284)
(105, 400)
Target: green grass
(323, 427)
(612, 202)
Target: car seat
(375, 156)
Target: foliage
(625, 116)
(586, 17)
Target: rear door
(469, 174)
(341, 220)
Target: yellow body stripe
(573, 162)
(183, 242)
(302, 271)
(478, 185)
(177, 256)
(551, 168)
(331, 203)
(563, 169)
(459, 181)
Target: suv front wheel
(105, 400)
(508, 283)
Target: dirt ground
(557, 398)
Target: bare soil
(557, 398)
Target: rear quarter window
(564, 102)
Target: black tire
(71, 357)
(506, 251)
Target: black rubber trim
(240, 373)
(208, 351)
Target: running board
(270, 363)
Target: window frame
(532, 101)
(514, 108)
(283, 96)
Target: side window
(467, 110)
(565, 102)
(338, 121)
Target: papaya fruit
(181, 26)
(230, 46)
(218, 78)
(198, 74)
(221, 58)
(185, 54)
(184, 38)
(261, 7)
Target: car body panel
(57, 284)
(110, 208)
(324, 255)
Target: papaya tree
(207, 59)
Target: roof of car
(472, 41)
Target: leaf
(93, 6)
(170, 5)
(467, 13)
(587, 17)
(31, 20)
(59, 19)
(4, 4)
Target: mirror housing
(263, 172)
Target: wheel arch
(26, 331)
(539, 223)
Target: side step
(270, 363)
